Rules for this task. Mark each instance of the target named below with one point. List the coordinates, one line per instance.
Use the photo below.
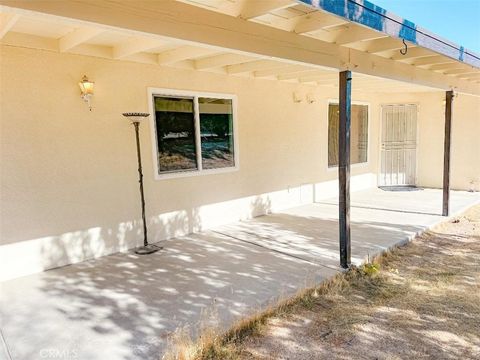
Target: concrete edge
(4, 351)
(417, 234)
(365, 260)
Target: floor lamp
(136, 118)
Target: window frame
(354, 102)
(158, 92)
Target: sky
(454, 20)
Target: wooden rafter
(464, 71)
(470, 76)
(319, 78)
(412, 53)
(252, 66)
(299, 74)
(221, 60)
(374, 17)
(7, 21)
(78, 37)
(380, 45)
(182, 53)
(442, 67)
(253, 9)
(30, 41)
(135, 46)
(314, 22)
(432, 60)
(285, 69)
(181, 22)
(355, 34)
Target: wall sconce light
(86, 87)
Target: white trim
(151, 92)
(364, 164)
(198, 137)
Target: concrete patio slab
(423, 201)
(124, 306)
(379, 219)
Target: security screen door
(399, 145)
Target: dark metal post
(446, 152)
(140, 180)
(345, 80)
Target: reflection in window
(194, 133)
(175, 124)
(358, 134)
(216, 132)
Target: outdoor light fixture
(136, 118)
(86, 87)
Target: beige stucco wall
(69, 179)
(69, 187)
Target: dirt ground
(422, 301)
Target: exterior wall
(69, 178)
(465, 147)
(69, 188)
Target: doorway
(399, 145)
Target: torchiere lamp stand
(146, 249)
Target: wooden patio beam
(446, 152)
(200, 27)
(345, 86)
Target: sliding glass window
(194, 133)
(358, 134)
(176, 140)
(216, 131)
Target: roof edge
(368, 14)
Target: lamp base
(146, 250)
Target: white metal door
(399, 145)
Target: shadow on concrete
(124, 306)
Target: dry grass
(212, 343)
(418, 301)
